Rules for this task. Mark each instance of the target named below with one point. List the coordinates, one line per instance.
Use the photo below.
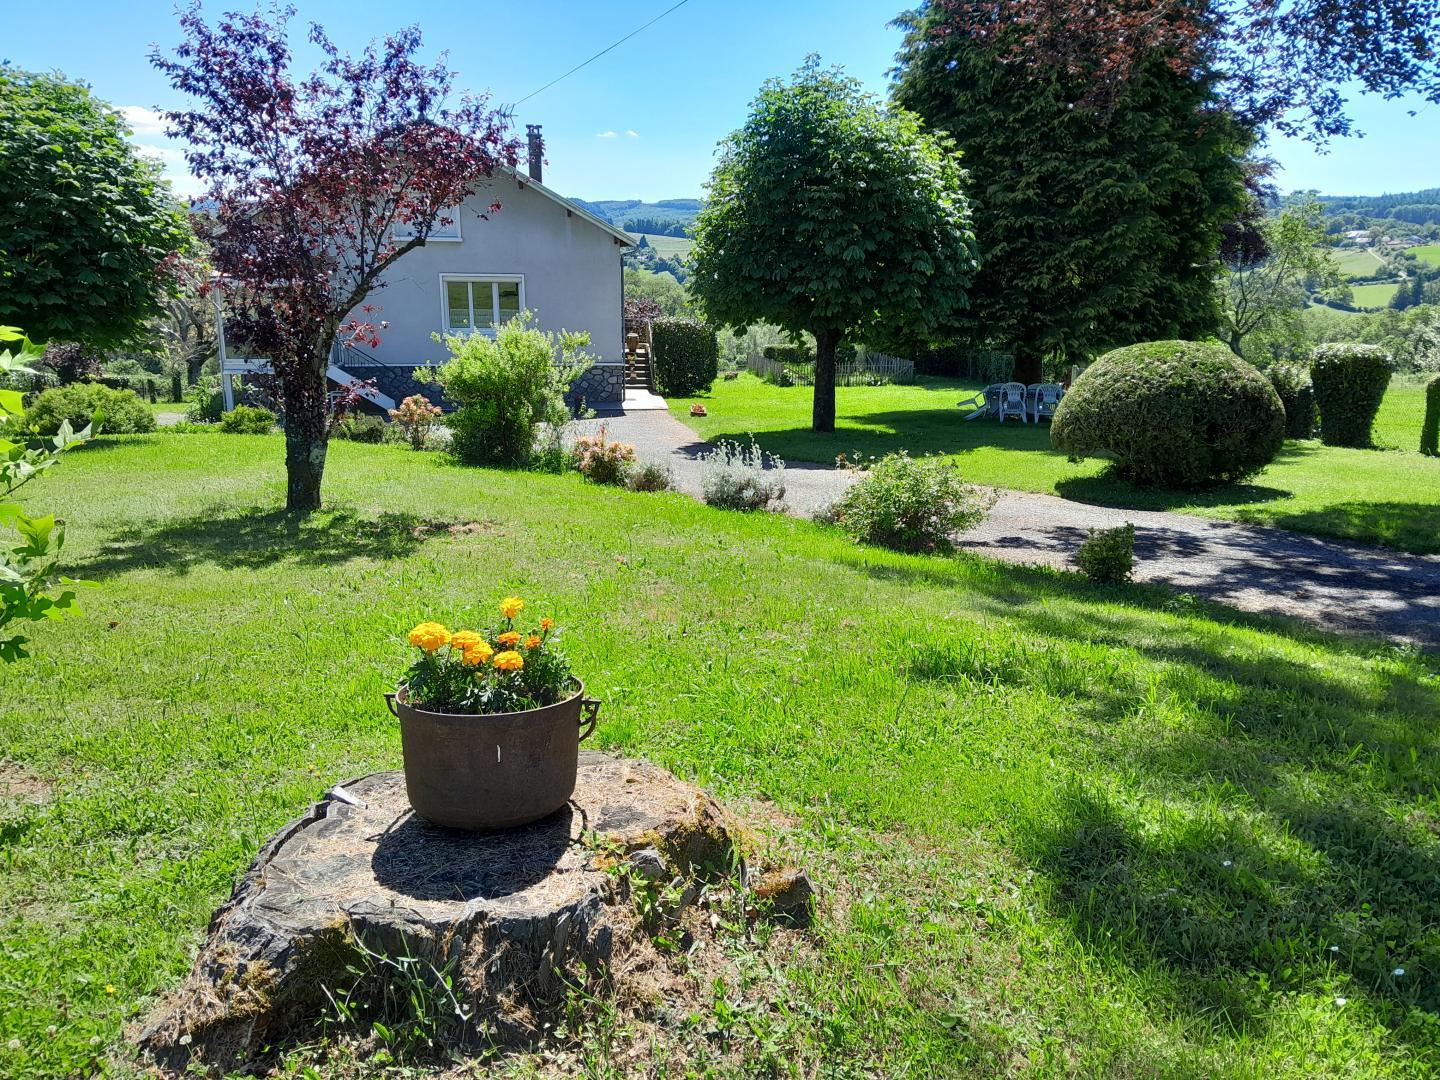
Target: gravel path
(1339, 586)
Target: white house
(539, 252)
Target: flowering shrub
(491, 671)
(909, 505)
(698, 410)
(739, 477)
(600, 461)
(416, 417)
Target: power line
(599, 54)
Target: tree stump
(339, 895)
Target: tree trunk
(1027, 367)
(823, 417)
(307, 436)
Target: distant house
(1358, 236)
(540, 252)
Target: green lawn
(1058, 828)
(1390, 498)
(1358, 262)
(1428, 253)
(669, 246)
(1373, 296)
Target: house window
(481, 303)
(440, 231)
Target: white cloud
(605, 134)
(143, 121)
(166, 155)
(633, 133)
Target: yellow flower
(532, 641)
(509, 661)
(477, 654)
(510, 606)
(509, 638)
(429, 636)
(547, 623)
(464, 639)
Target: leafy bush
(912, 505)
(1350, 382)
(416, 417)
(601, 461)
(359, 427)
(205, 402)
(124, 413)
(1108, 555)
(1173, 414)
(506, 387)
(1430, 430)
(790, 354)
(650, 476)
(1297, 397)
(686, 356)
(735, 477)
(248, 420)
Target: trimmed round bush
(686, 356)
(123, 411)
(1297, 396)
(1350, 382)
(1430, 429)
(1178, 414)
(248, 420)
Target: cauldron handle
(390, 704)
(591, 708)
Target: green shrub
(801, 355)
(359, 427)
(602, 461)
(177, 388)
(650, 476)
(909, 504)
(1350, 382)
(1297, 397)
(124, 413)
(1430, 429)
(1108, 555)
(205, 402)
(248, 420)
(735, 477)
(1173, 414)
(506, 387)
(685, 354)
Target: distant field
(1427, 253)
(667, 246)
(1373, 296)
(1358, 262)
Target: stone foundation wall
(603, 384)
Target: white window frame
(404, 232)
(493, 280)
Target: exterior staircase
(637, 363)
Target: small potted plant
(490, 723)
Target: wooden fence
(867, 369)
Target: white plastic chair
(1011, 401)
(1047, 399)
(980, 403)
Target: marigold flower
(509, 661)
(547, 623)
(509, 638)
(464, 639)
(511, 606)
(429, 636)
(532, 641)
(477, 654)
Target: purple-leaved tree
(315, 186)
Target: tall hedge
(1173, 414)
(685, 354)
(1297, 395)
(1350, 382)
(1430, 430)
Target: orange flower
(510, 606)
(509, 661)
(547, 623)
(477, 654)
(429, 636)
(462, 640)
(532, 641)
(509, 638)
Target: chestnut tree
(317, 184)
(831, 214)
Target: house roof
(525, 180)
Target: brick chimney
(537, 151)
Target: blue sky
(642, 121)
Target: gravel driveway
(1336, 585)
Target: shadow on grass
(1407, 526)
(256, 538)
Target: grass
(1059, 828)
(1427, 253)
(1390, 498)
(669, 246)
(1374, 296)
(1358, 262)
